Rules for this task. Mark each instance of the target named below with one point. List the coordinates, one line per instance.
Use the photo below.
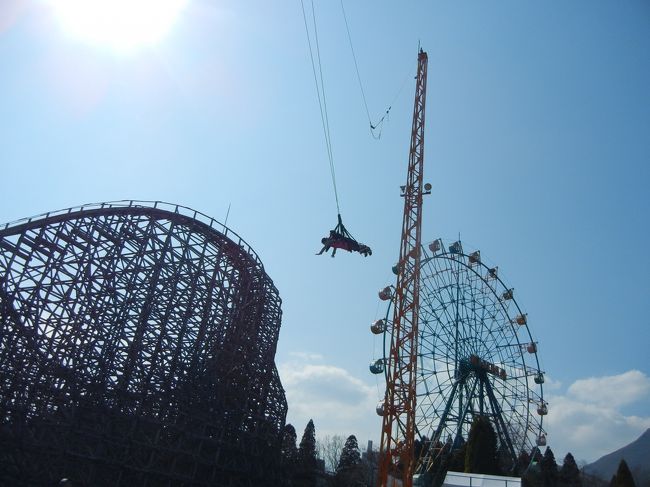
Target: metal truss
(398, 423)
(137, 345)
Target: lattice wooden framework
(137, 345)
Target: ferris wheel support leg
(461, 418)
(443, 418)
(499, 420)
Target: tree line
(335, 462)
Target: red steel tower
(398, 427)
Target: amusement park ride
(398, 425)
(458, 346)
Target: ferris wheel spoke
(441, 315)
(500, 423)
(444, 289)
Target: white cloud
(306, 356)
(551, 384)
(339, 403)
(611, 391)
(590, 420)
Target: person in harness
(340, 238)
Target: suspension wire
(379, 124)
(385, 116)
(322, 102)
(356, 67)
(327, 122)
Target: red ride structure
(398, 425)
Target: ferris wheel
(476, 357)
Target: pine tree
(350, 455)
(481, 456)
(289, 454)
(570, 473)
(504, 460)
(349, 470)
(623, 477)
(457, 457)
(305, 475)
(549, 469)
(536, 455)
(307, 448)
(288, 449)
(523, 460)
(530, 472)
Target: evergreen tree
(288, 449)
(350, 455)
(623, 477)
(522, 463)
(536, 455)
(504, 463)
(305, 475)
(307, 448)
(531, 476)
(457, 458)
(549, 469)
(349, 470)
(481, 456)
(570, 473)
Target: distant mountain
(637, 456)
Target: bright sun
(119, 25)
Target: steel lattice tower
(137, 345)
(398, 424)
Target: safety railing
(157, 205)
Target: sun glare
(118, 25)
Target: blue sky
(537, 147)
